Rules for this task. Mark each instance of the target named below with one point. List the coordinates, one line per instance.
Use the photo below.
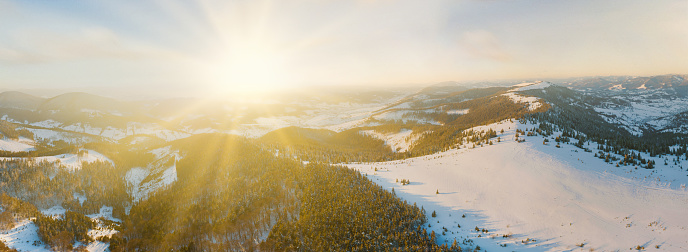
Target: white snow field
(19, 145)
(24, 237)
(535, 197)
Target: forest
(232, 194)
(240, 193)
(282, 191)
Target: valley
(533, 166)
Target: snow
(71, 162)
(140, 191)
(98, 246)
(156, 175)
(45, 134)
(168, 177)
(46, 124)
(74, 162)
(23, 237)
(199, 131)
(55, 212)
(92, 112)
(100, 230)
(533, 102)
(339, 117)
(399, 142)
(134, 177)
(153, 129)
(531, 86)
(107, 132)
(617, 87)
(165, 151)
(80, 197)
(16, 146)
(405, 105)
(25, 234)
(274, 121)
(394, 115)
(55, 135)
(561, 197)
(643, 110)
(524, 84)
(347, 125)
(104, 212)
(458, 112)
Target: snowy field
(71, 162)
(534, 197)
(18, 145)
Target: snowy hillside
(531, 196)
(68, 161)
(18, 145)
(591, 169)
(398, 142)
(532, 102)
(24, 235)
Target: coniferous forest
(282, 191)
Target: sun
(249, 69)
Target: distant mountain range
(679, 81)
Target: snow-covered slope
(560, 197)
(399, 142)
(18, 145)
(101, 230)
(163, 172)
(533, 102)
(24, 236)
(69, 161)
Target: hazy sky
(222, 46)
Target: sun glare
(248, 71)
(252, 70)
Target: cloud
(482, 44)
(87, 43)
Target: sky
(256, 45)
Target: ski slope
(563, 198)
